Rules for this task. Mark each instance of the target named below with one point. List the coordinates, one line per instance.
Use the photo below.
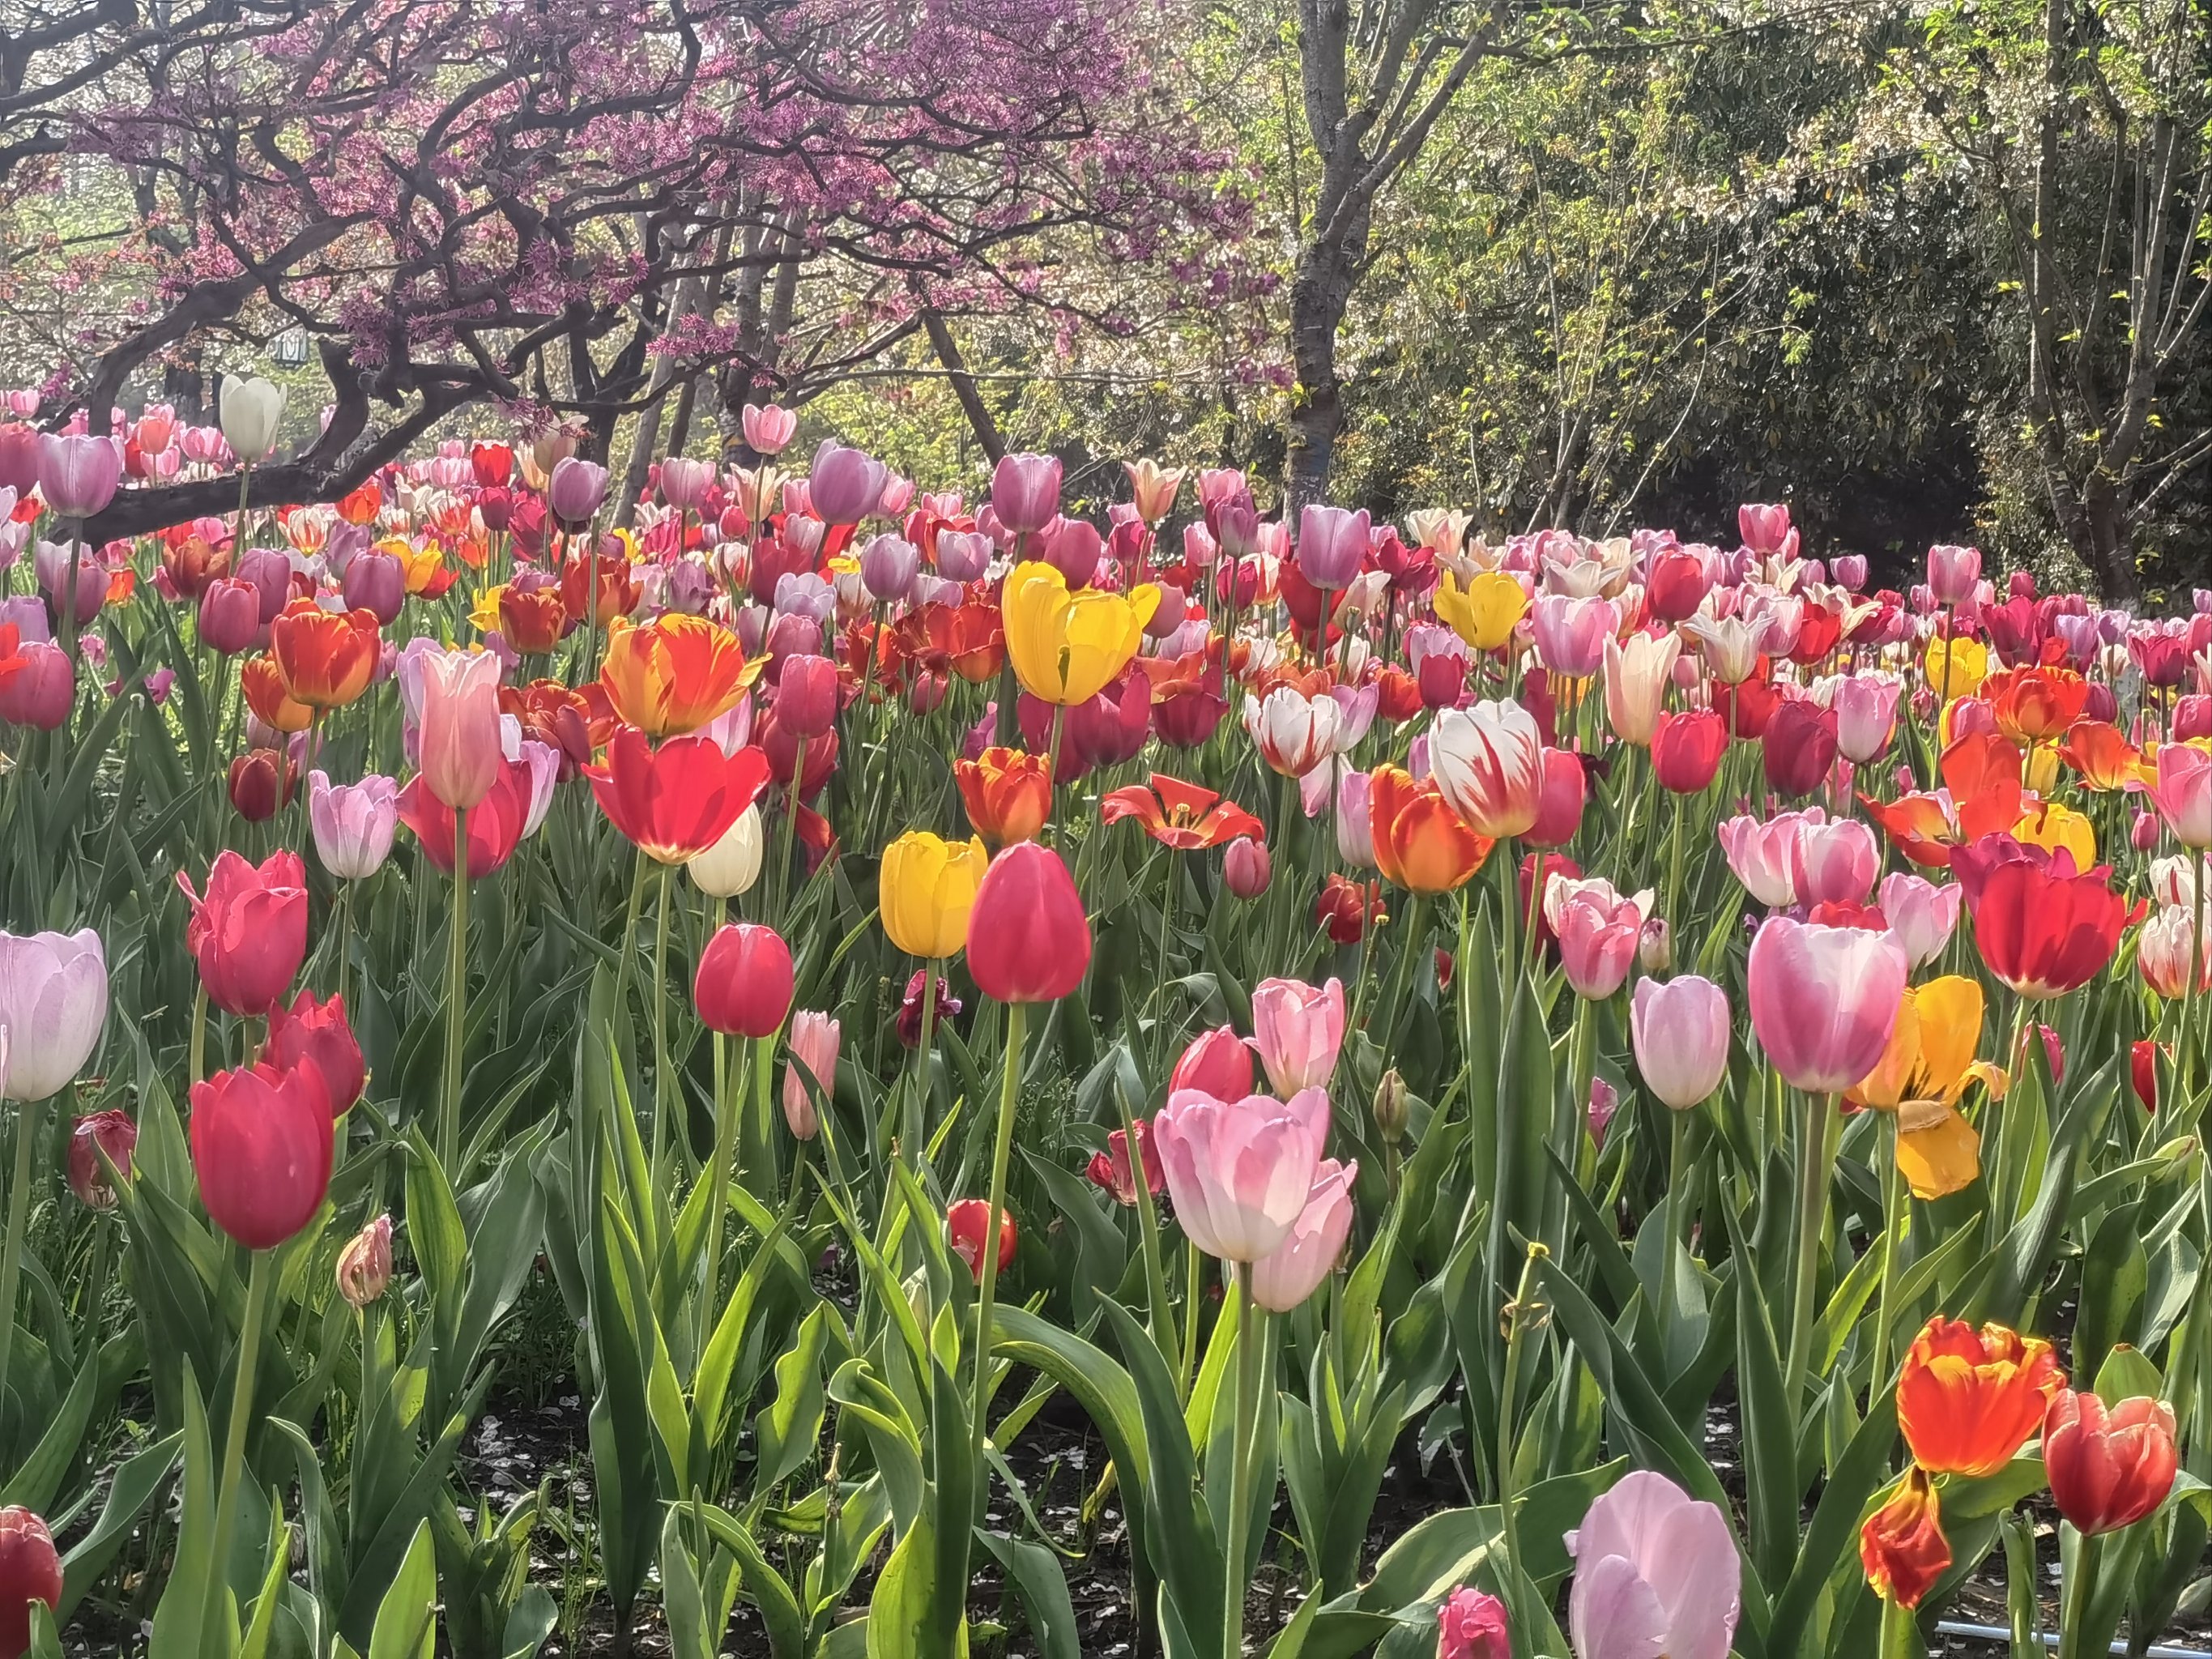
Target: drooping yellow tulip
(2050, 825)
(483, 615)
(1066, 647)
(1920, 1077)
(1485, 612)
(1969, 667)
(927, 889)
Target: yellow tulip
(2050, 826)
(1922, 1073)
(1485, 612)
(2040, 774)
(1067, 647)
(927, 888)
(483, 615)
(1970, 667)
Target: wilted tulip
(1902, 1548)
(110, 1136)
(965, 1223)
(364, 1267)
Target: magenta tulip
(1029, 940)
(1332, 545)
(1218, 1062)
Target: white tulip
(732, 864)
(249, 412)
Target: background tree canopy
(1931, 271)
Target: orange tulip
(1008, 793)
(2105, 760)
(361, 506)
(1183, 816)
(2032, 704)
(1967, 1400)
(327, 657)
(614, 595)
(672, 675)
(1902, 1545)
(1420, 844)
(533, 622)
(267, 695)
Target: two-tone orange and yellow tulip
(1420, 844)
(674, 674)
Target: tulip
(813, 1046)
(78, 474)
(494, 824)
(1294, 733)
(19, 457)
(30, 1571)
(1247, 868)
(1111, 1170)
(767, 427)
(316, 1034)
(927, 890)
(845, 485)
(965, 1223)
(1597, 934)
(1953, 573)
(2044, 929)
(100, 1141)
(1763, 856)
(2108, 1469)
(888, 565)
(261, 1142)
(672, 675)
(1849, 570)
(1636, 679)
(1902, 1546)
(1029, 940)
(1824, 1001)
(806, 696)
(1764, 529)
(1418, 842)
(1866, 716)
(1008, 795)
(1355, 820)
(1560, 803)
(364, 1266)
(1799, 747)
(461, 746)
(1833, 862)
(676, 803)
(1655, 1572)
(1471, 1626)
(1485, 612)
(744, 984)
(1679, 1030)
(1297, 1030)
(575, 492)
(353, 824)
(1332, 545)
(1921, 914)
(1294, 1270)
(1217, 1062)
(1967, 1400)
(249, 411)
(1924, 1070)
(731, 865)
(1241, 1171)
(249, 934)
(1067, 646)
(2183, 793)
(1488, 763)
(1025, 492)
(2165, 953)
(53, 1005)
(1686, 750)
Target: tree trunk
(963, 384)
(1320, 292)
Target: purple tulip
(377, 583)
(962, 556)
(1953, 572)
(889, 564)
(845, 485)
(268, 572)
(1026, 493)
(1331, 543)
(230, 615)
(1849, 570)
(575, 492)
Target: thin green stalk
(1521, 1313)
(664, 1097)
(718, 1172)
(1009, 1087)
(1155, 1044)
(213, 1638)
(1678, 1176)
(2081, 1589)
(457, 971)
(19, 1216)
(783, 894)
(915, 1138)
(1148, 1239)
(1892, 1199)
(1248, 1357)
(199, 1032)
(1193, 1271)
(1815, 1153)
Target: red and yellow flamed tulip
(1420, 844)
(1902, 1545)
(327, 657)
(1967, 1400)
(674, 674)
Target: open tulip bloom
(849, 982)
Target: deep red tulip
(743, 985)
(963, 1230)
(261, 1146)
(250, 933)
(2142, 1072)
(806, 696)
(1800, 747)
(261, 782)
(2043, 929)
(111, 1132)
(316, 1034)
(30, 1571)
(1345, 910)
(1686, 750)
(495, 822)
(1029, 940)
(2107, 1469)
(676, 801)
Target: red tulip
(30, 1571)
(112, 1133)
(1686, 750)
(2107, 1470)
(261, 1146)
(1799, 746)
(2043, 929)
(1029, 940)
(250, 933)
(1560, 811)
(1109, 1170)
(743, 985)
(1218, 1062)
(2142, 1072)
(676, 801)
(1345, 910)
(261, 782)
(964, 1230)
(495, 822)
(316, 1034)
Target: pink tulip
(1866, 716)
(1824, 1001)
(1025, 492)
(461, 753)
(1293, 1270)
(575, 490)
(39, 695)
(1655, 1572)
(1849, 570)
(1218, 1062)
(1332, 545)
(1763, 856)
(1764, 529)
(768, 427)
(353, 824)
(1597, 931)
(1920, 914)
(1560, 807)
(1247, 868)
(685, 483)
(77, 475)
(1297, 1030)
(813, 1044)
(845, 485)
(1681, 1033)
(1471, 1624)
(1570, 633)
(1241, 1171)
(2183, 793)
(1953, 573)
(1836, 861)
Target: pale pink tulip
(2183, 793)
(1823, 999)
(1636, 678)
(1866, 714)
(1241, 1171)
(1598, 932)
(1656, 1573)
(1836, 861)
(1763, 855)
(813, 1046)
(353, 824)
(1297, 1029)
(1294, 1269)
(1679, 1030)
(768, 427)
(461, 743)
(1953, 572)
(1764, 529)
(1570, 633)
(1920, 914)
(77, 475)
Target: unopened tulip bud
(1247, 868)
(2142, 833)
(1655, 946)
(1389, 1107)
(365, 1264)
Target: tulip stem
(1520, 1314)
(1157, 1044)
(19, 1216)
(199, 1032)
(726, 1134)
(1194, 1279)
(783, 892)
(2081, 1589)
(457, 969)
(1236, 1578)
(1900, 1636)
(1893, 1200)
(1678, 1177)
(986, 1299)
(1148, 1237)
(662, 1096)
(1815, 1150)
(215, 1610)
(916, 1132)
